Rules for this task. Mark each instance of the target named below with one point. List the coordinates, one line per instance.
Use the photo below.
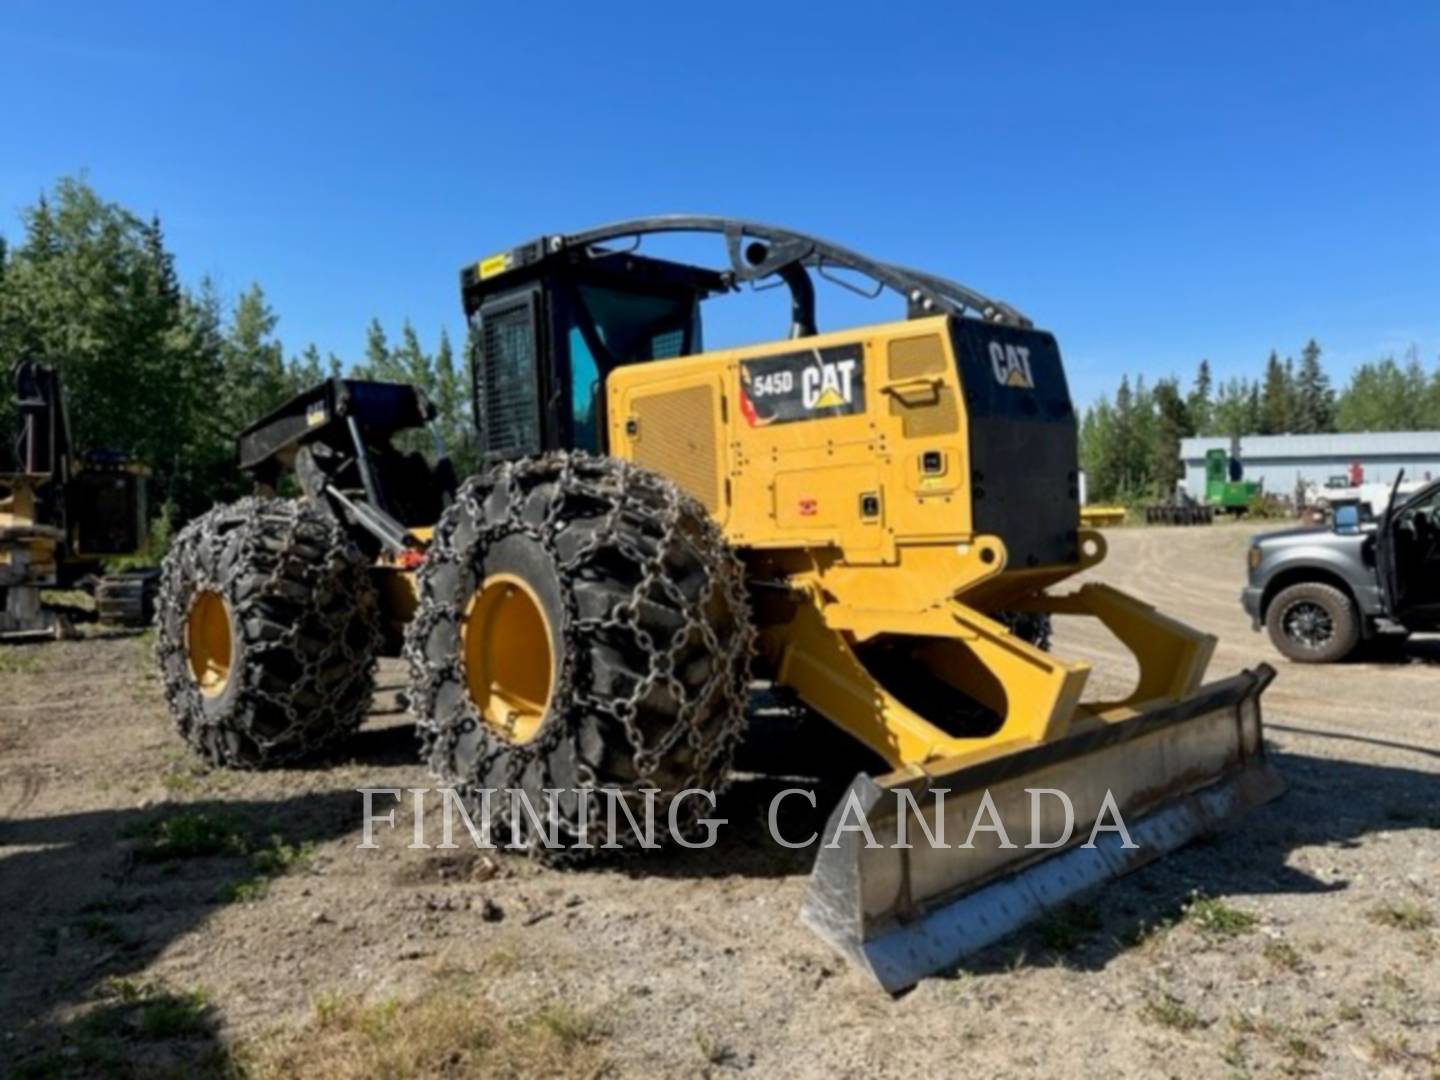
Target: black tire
(1313, 623)
(650, 634)
(303, 624)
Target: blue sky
(1152, 184)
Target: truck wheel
(582, 625)
(1313, 623)
(266, 632)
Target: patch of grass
(1283, 955)
(192, 834)
(181, 781)
(447, 1031)
(1299, 1051)
(247, 891)
(189, 834)
(84, 1056)
(1069, 927)
(19, 659)
(1397, 1052)
(570, 1026)
(1300, 1048)
(273, 859)
(1217, 918)
(1171, 1012)
(1234, 1054)
(151, 1011)
(104, 931)
(175, 1016)
(1402, 915)
(713, 1051)
(139, 1029)
(1147, 935)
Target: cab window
(623, 328)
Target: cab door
(1407, 556)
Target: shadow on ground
(1390, 652)
(87, 896)
(1329, 803)
(93, 898)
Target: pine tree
(1432, 401)
(1275, 398)
(1199, 404)
(377, 354)
(306, 370)
(452, 398)
(1119, 469)
(1314, 399)
(1234, 412)
(255, 375)
(1172, 423)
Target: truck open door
(1385, 562)
(1407, 555)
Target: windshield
(622, 328)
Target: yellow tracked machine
(880, 520)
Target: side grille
(508, 393)
(939, 415)
(676, 437)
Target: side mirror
(1347, 518)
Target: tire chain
(710, 722)
(260, 554)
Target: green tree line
(166, 373)
(170, 374)
(1130, 444)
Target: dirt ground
(1303, 941)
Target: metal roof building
(1282, 460)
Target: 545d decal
(813, 384)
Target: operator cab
(547, 332)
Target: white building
(1282, 460)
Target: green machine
(1226, 489)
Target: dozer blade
(902, 913)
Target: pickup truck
(1320, 591)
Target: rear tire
(266, 632)
(650, 640)
(1313, 623)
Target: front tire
(266, 632)
(1313, 623)
(582, 626)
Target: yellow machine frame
(867, 518)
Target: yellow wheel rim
(509, 663)
(208, 642)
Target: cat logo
(1011, 364)
(828, 385)
(817, 384)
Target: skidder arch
(266, 632)
(582, 624)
